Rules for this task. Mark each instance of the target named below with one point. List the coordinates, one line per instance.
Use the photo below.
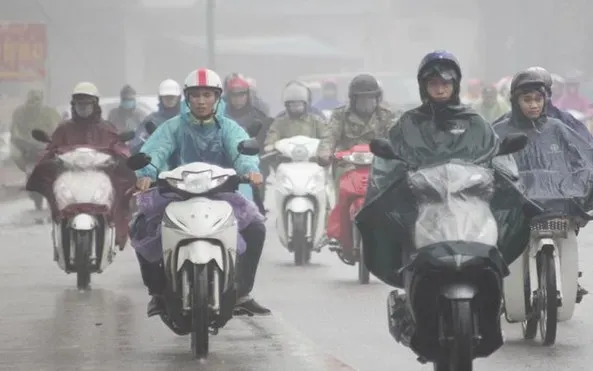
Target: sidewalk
(12, 182)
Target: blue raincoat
(191, 141)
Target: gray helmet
(545, 75)
(527, 78)
(295, 92)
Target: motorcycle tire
(529, 326)
(200, 313)
(459, 354)
(363, 272)
(83, 241)
(302, 252)
(548, 323)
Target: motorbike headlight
(197, 183)
(360, 158)
(316, 182)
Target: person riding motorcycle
(551, 110)
(557, 87)
(256, 101)
(571, 98)
(329, 101)
(474, 90)
(363, 119)
(439, 130)
(491, 106)
(32, 115)
(169, 107)
(530, 92)
(86, 127)
(126, 117)
(205, 134)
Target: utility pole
(211, 33)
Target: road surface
(323, 319)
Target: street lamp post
(210, 33)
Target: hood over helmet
(524, 82)
(545, 75)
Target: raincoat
(97, 134)
(24, 119)
(575, 102)
(157, 118)
(189, 141)
(308, 125)
(125, 120)
(250, 118)
(491, 113)
(386, 221)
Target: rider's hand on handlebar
(255, 178)
(143, 184)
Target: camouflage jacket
(346, 129)
(284, 127)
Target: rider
(329, 101)
(204, 134)
(363, 119)
(126, 117)
(551, 109)
(169, 106)
(86, 127)
(255, 98)
(557, 87)
(440, 129)
(474, 89)
(32, 115)
(240, 108)
(530, 94)
(572, 99)
(491, 106)
(298, 121)
(310, 106)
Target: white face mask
(83, 109)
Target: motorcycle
(352, 191)
(454, 278)
(199, 242)
(300, 193)
(542, 286)
(83, 234)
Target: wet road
(320, 315)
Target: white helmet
(169, 87)
(203, 78)
(86, 88)
(295, 92)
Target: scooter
(351, 193)
(454, 278)
(84, 234)
(199, 242)
(301, 196)
(542, 287)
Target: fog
(113, 42)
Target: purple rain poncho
(145, 230)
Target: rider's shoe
(401, 323)
(251, 307)
(156, 306)
(333, 245)
(581, 291)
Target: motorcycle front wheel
(459, 354)
(302, 252)
(363, 272)
(83, 240)
(548, 297)
(200, 319)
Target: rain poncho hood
(213, 142)
(386, 221)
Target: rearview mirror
(512, 143)
(150, 127)
(249, 147)
(138, 161)
(382, 149)
(40, 136)
(126, 136)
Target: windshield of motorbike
(453, 204)
(298, 148)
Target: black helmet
(545, 75)
(528, 78)
(438, 63)
(364, 84)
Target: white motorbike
(301, 196)
(542, 285)
(199, 241)
(84, 239)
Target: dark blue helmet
(442, 58)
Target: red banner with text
(23, 51)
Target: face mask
(128, 104)
(365, 105)
(295, 108)
(83, 110)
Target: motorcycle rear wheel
(200, 312)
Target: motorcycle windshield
(453, 202)
(297, 148)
